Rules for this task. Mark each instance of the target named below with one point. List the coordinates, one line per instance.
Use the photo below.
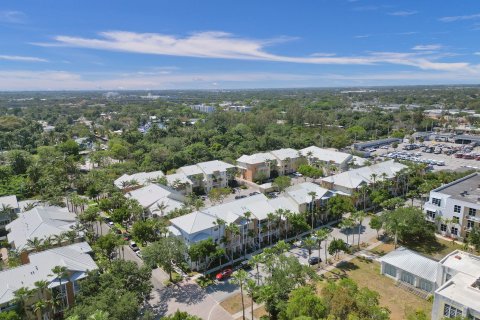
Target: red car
(224, 274)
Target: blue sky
(125, 44)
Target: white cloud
(403, 13)
(477, 53)
(427, 47)
(22, 58)
(11, 16)
(460, 18)
(227, 46)
(362, 36)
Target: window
(426, 285)
(472, 212)
(431, 214)
(443, 227)
(470, 224)
(408, 278)
(454, 231)
(436, 201)
(456, 219)
(457, 209)
(451, 312)
(390, 270)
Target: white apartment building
(458, 295)
(455, 207)
(454, 281)
(206, 176)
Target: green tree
(335, 246)
(181, 315)
(217, 195)
(145, 231)
(338, 205)
(282, 182)
(305, 302)
(19, 161)
(166, 252)
(202, 251)
(376, 223)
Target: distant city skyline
(154, 45)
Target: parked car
(254, 193)
(134, 246)
(224, 274)
(314, 260)
(139, 254)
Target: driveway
(188, 297)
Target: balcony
(473, 218)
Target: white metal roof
(326, 155)
(9, 201)
(153, 194)
(413, 263)
(141, 178)
(40, 222)
(258, 205)
(256, 158)
(210, 167)
(190, 170)
(300, 192)
(74, 257)
(177, 177)
(354, 178)
(286, 153)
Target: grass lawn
(234, 303)
(438, 249)
(383, 249)
(367, 274)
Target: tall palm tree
(313, 195)
(270, 218)
(309, 244)
(161, 207)
(21, 296)
(322, 235)
(251, 287)
(239, 278)
(374, 177)
(219, 223)
(60, 272)
(245, 236)
(359, 216)
(347, 224)
(255, 261)
(233, 231)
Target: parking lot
(439, 161)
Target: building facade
(455, 207)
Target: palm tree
(60, 272)
(255, 261)
(234, 231)
(374, 177)
(251, 287)
(247, 215)
(35, 244)
(322, 235)
(219, 223)
(29, 206)
(161, 207)
(347, 224)
(312, 194)
(364, 192)
(21, 296)
(359, 216)
(308, 244)
(58, 239)
(270, 219)
(41, 287)
(239, 278)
